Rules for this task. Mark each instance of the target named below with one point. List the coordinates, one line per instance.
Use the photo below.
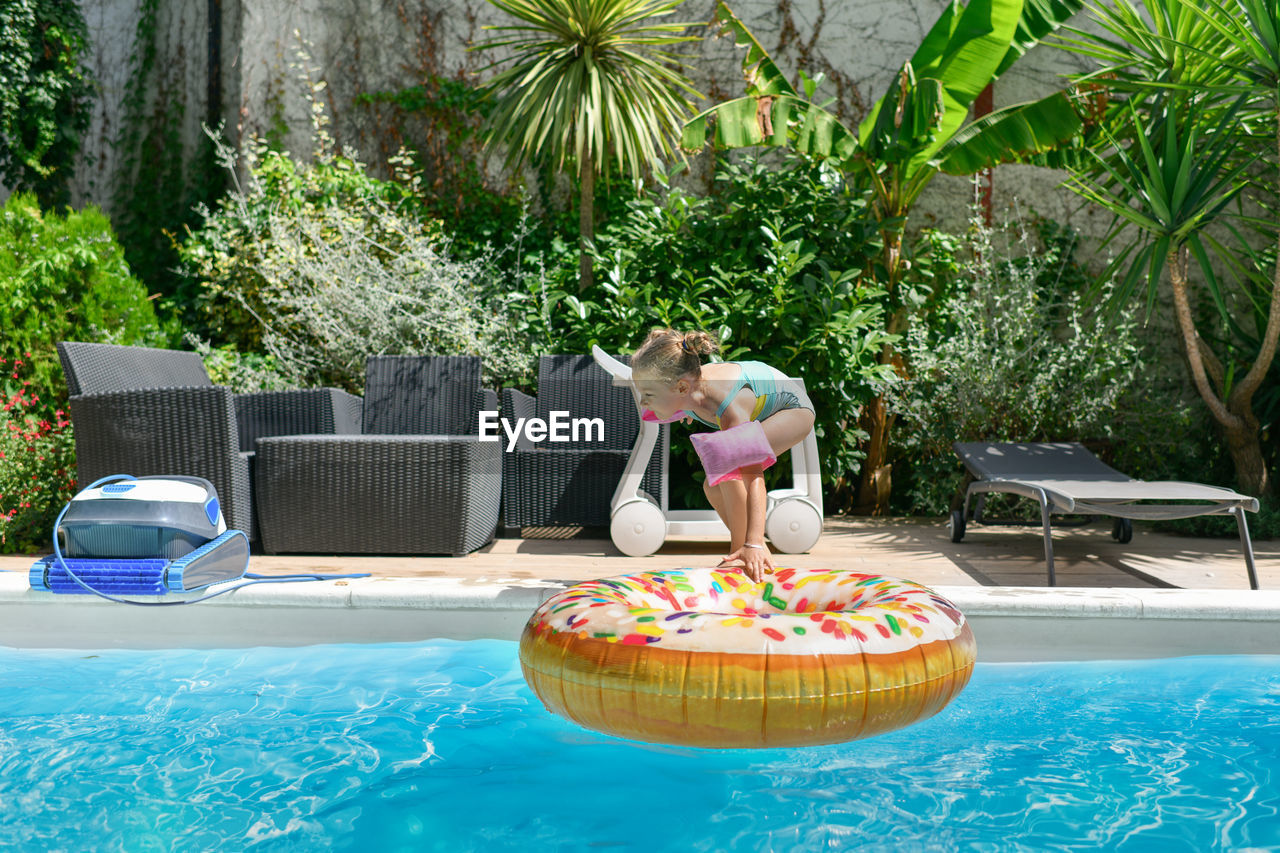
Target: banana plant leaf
(1020, 133)
(783, 120)
(907, 119)
(763, 77)
(967, 47)
(1040, 18)
(771, 113)
(962, 51)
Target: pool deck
(918, 549)
(1131, 600)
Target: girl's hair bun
(671, 354)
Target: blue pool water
(441, 746)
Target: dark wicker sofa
(418, 480)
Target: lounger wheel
(957, 525)
(638, 528)
(1122, 530)
(793, 526)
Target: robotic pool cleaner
(150, 536)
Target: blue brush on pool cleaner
(125, 535)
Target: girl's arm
(754, 554)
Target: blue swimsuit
(763, 382)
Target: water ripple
(440, 746)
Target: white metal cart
(642, 522)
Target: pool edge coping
(508, 594)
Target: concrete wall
(373, 45)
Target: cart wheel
(638, 528)
(957, 525)
(793, 526)
(1122, 530)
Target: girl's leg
(783, 430)
(787, 428)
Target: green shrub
(1018, 354)
(223, 258)
(64, 278)
(772, 263)
(37, 464)
(242, 372)
(1201, 456)
(319, 265)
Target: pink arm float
(723, 453)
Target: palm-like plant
(587, 84)
(1198, 79)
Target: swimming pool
(439, 745)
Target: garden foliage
(593, 86)
(63, 278)
(319, 265)
(448, 162)
(1190, 124)
(37, 463)
(1018, 354)
(242, 372)
(770, 262)
(45, 95)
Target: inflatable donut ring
(705, 657)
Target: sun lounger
(1068, 479)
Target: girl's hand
(755, 561)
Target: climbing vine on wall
(850, 107)
(45, 95)
(159, 183)
(437, 118)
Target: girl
(674, 383)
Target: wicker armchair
(190, 431)
(417, 481)
(139, 410)
(548, 484)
